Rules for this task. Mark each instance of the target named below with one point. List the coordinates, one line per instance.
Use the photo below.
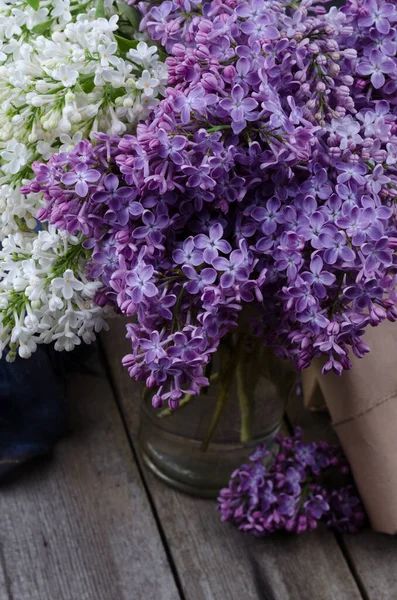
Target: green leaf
(100, 9)
(124, 45)
(88, 86)
(42, 27)
(130, 14)
(34, 4)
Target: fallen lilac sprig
(283, 490)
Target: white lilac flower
(142, 54)
(147, 83)
(42, 298)
(108, 55)
(68, 143)
(66, 75)
(61, 11)
(15, 156)
(67, 284)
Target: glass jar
(196, 447)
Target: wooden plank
(214, 561)
(373, 556)
(79, 527)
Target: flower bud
(354, 159)
(11, 356)
(90, 111)
(127, 101)
(37, 101)
(305, 88)
(350, 53)
(65, 125)
(333, 328)
(173, 404)
(334, 69)
(379, 156)
(314, 48)
(34, 187)
(229, 73)
(361, 83)
(300, 76)
(42, 87)
(335, 152)
(367, 142)
(202, 52)
(76, 117)
(347, 30)
(17, 120)
(157, 401)
(347, 80)
(332, 45)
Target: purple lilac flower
(336, 248)
(188, 254)
(379, 16)
(377, 252)
(139, 284)
(195, 100)
(212, 243)
(239, 108)
(287, 493)
(318, 278)
(234, 270)
(81, 176)
(376, 65)
(198, 280)
(171, 147)
(257, 179)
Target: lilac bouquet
(282, 490)
(264, 178)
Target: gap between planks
(141, 472)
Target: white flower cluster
(65, 74)
(18, 16)
(57, 90)
(41, 299)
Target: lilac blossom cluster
(283, 490)
(265, 177)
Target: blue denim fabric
(32, 408)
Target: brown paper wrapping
(363, 407)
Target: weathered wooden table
(92, 524)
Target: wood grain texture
(214, 561)
(79, 526)
(373, 555)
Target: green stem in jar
(221, 402)
(226, 377)
(244, 399)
